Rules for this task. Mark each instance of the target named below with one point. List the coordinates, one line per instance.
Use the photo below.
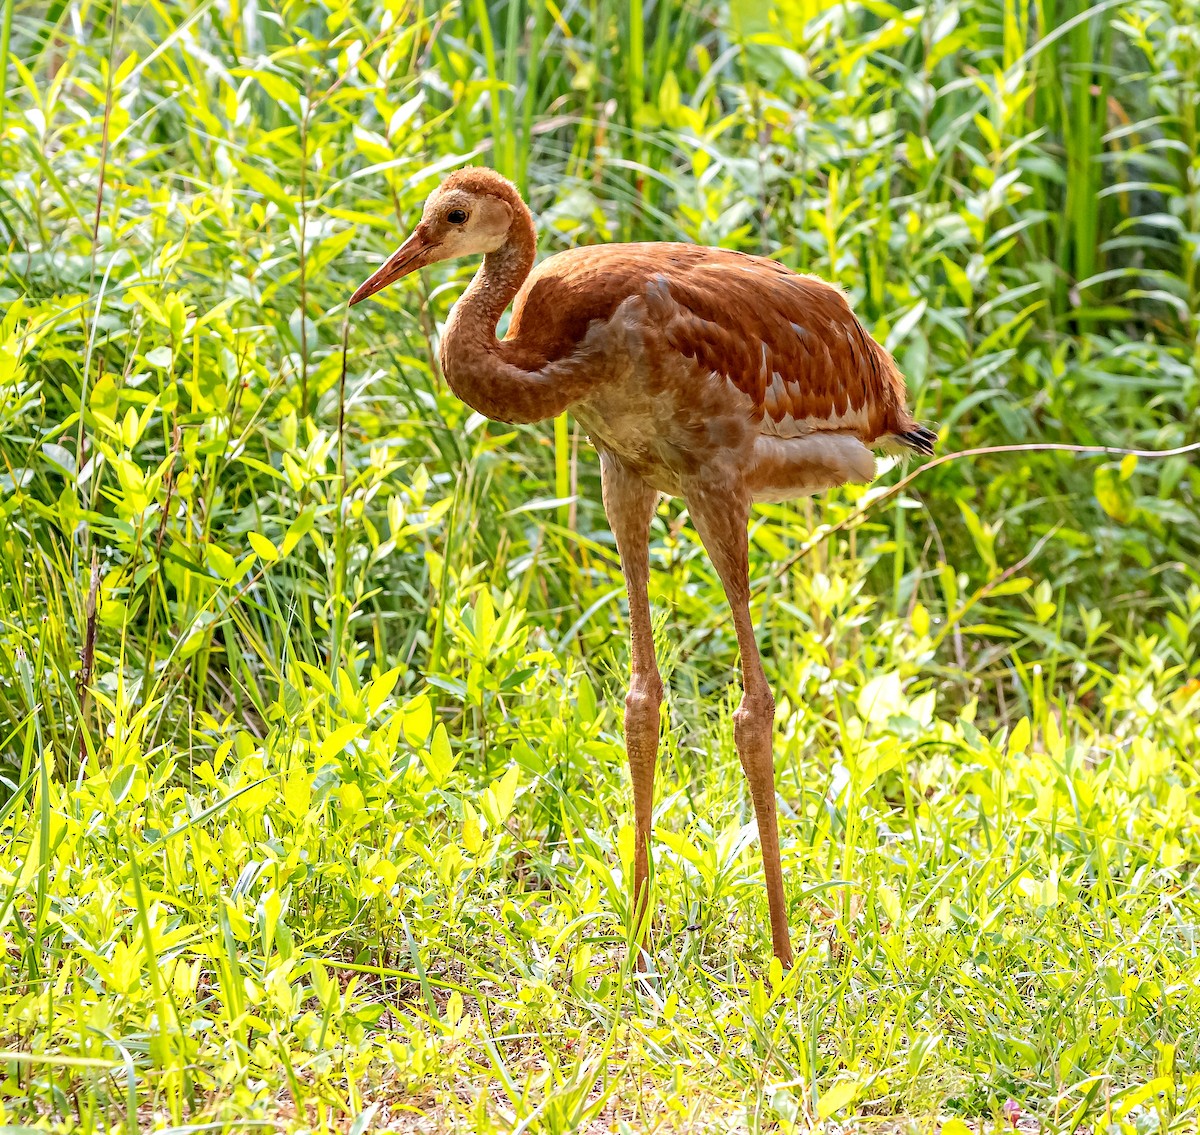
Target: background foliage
(312, 798)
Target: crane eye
(457, 216)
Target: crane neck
(477, 366)
(496, 284)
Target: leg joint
(756, 709)
(645, 695)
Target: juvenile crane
(700, 373)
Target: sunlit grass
(335, 836)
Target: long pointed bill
(411, 255)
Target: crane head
(465, 216)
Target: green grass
(313, 807)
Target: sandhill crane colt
(701, 373)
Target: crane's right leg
(629, 503)
(720, 513)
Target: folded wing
(788, 341)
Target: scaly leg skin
(629, 503)
(720, 515)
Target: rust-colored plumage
(699, 372)
(789, 342)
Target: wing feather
(788, 341)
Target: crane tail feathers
(917, 438)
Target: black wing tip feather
(920, 439)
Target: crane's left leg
(629, 504)
(721, 519)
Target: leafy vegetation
(313, 809)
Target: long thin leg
(720, 516)
(629, 503)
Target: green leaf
(497, 800)
(220, 561)
(955, 1126)
(1014, 586)
(882, 697)
(103, 401)
(319, 677)
(438, 758)
(890, 901)
(1018, 740)
(472, 832)
(270, 908)
(587, 701)
(120, 784)
(1113, 494)
(130, 428)
(837, 1097)
(339, 739)
(378, 691)
(265, 549)
(920, 620)
(279, 89)
(418, 720)
(60, 457)
(300, 528)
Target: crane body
(700, 373)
